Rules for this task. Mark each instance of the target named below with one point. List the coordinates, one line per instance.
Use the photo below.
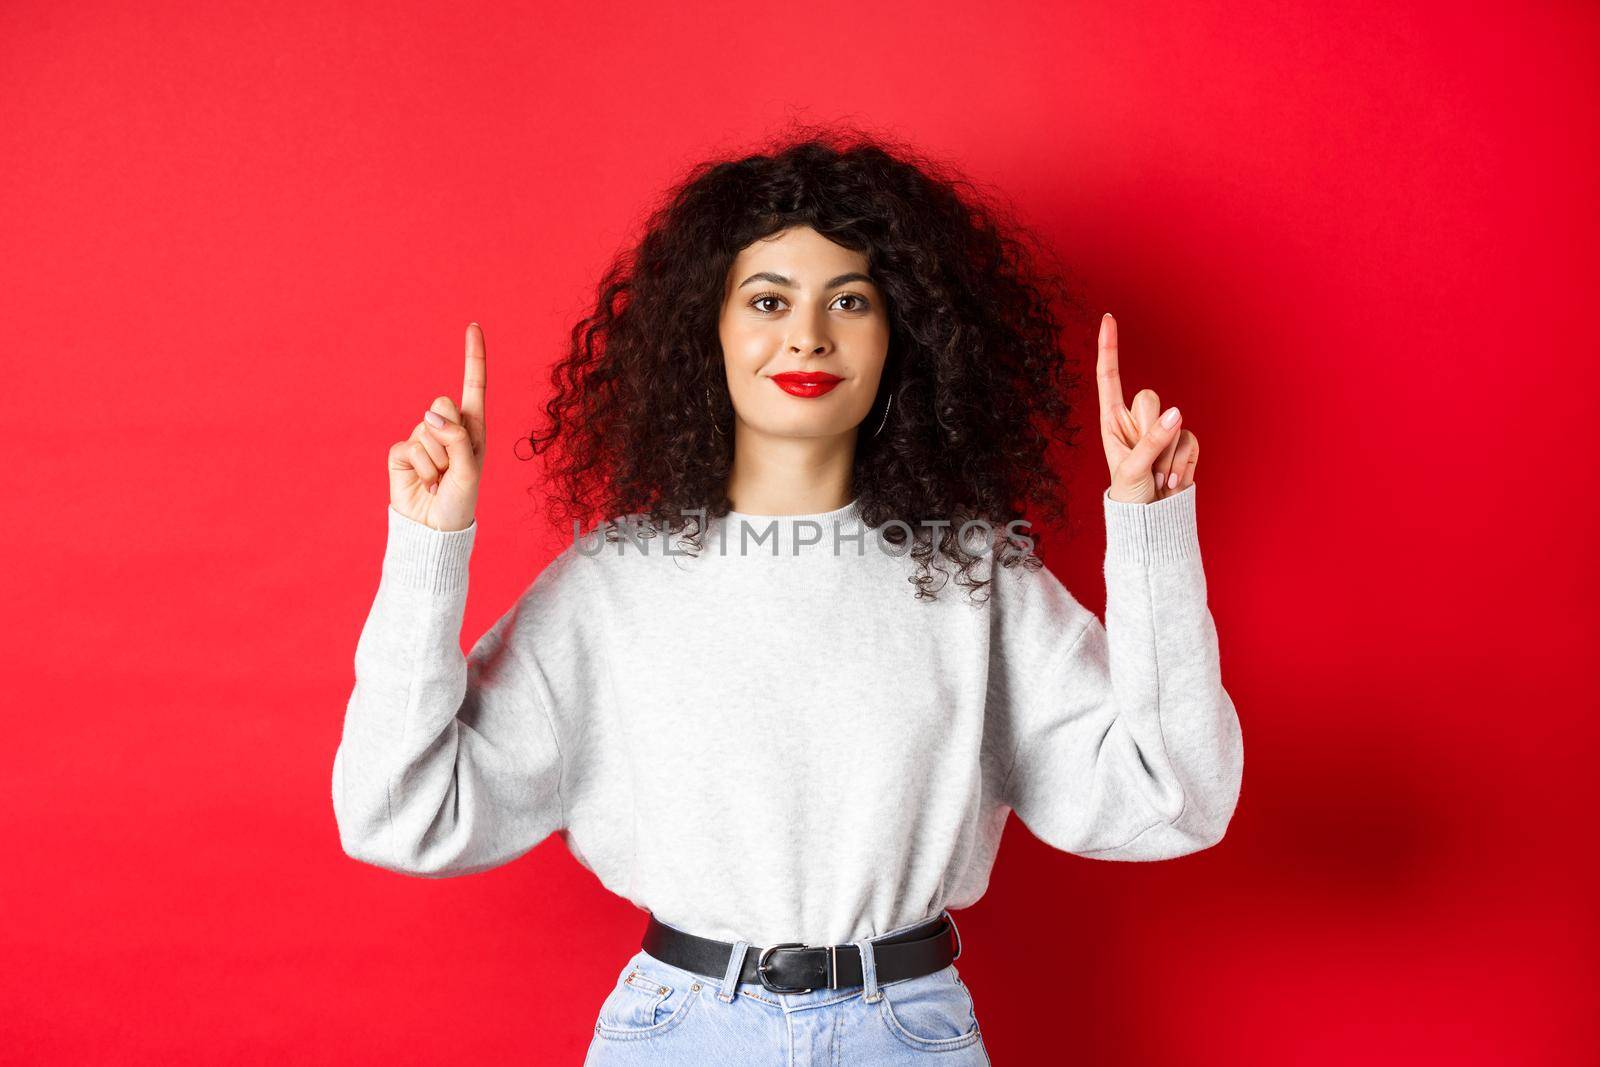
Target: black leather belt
(792, 967)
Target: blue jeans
(664, 1016)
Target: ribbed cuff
(1161, 531)
(420, 557)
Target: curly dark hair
(980, 384)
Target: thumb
(1155, 440)
(463, 469)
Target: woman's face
(798, 304)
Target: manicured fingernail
(1170, 419)
(1172, 480)
(434, 418)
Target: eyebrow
(778, 279)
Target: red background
(242, 244)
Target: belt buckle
(761, 967)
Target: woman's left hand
(1150, 458)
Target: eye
(860, 302)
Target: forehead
(800, 253)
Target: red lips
(806, 383)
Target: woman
(756, 708)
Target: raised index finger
(477, 376)
(1106, 374)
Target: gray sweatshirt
(776, 740)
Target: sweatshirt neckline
(836, 515)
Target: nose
(808, 343)
(810, 336)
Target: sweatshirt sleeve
(447, 765)
(1127, 745)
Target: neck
(790, 475)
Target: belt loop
(730, 980)
(952, 920)
(869, 971)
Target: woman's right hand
(434, 473)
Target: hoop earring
(885, 418)
(711, 405)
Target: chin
(802, 427)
